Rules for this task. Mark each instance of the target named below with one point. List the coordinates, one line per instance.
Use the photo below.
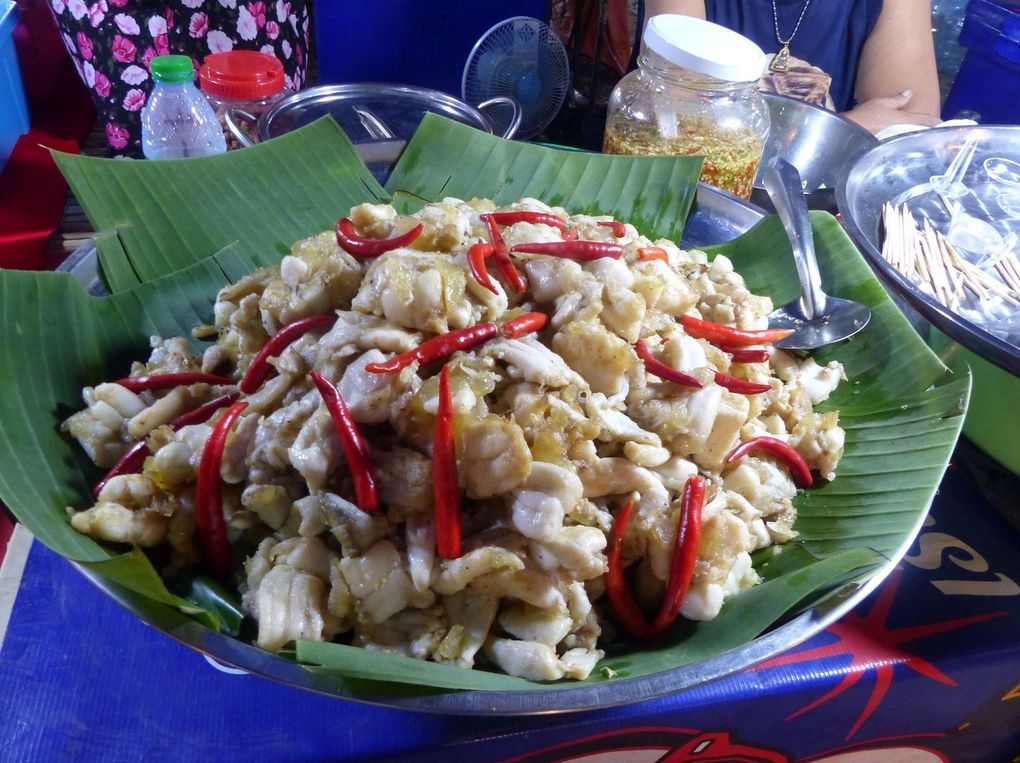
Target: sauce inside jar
(731, 156)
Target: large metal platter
(718, 217)
(893, 168)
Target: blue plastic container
(407, 43)
(989, 78)
(13, 109)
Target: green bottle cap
(172, 69)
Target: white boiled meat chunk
(724, 564)
(530, 623)
(532, 361)
(369, 396)
(470, 617)
(315, 452)
(99, 428)
(420, 537)
(540, 506)
(538, 662)
(496, 456)
(456, 574)
(289, 599)
(818, 381)
(576, 548)
(356, 530)
(380, 585)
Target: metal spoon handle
(782, 181)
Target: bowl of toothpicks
(937, 213)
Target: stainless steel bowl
(819, 143)
(369, 111)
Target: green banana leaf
(901, 409)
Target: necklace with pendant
(781, 61)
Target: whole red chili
(783, 451)
(685, 555)
(681, 566)
(367, 248)
(717, 333)
(135, 456)
(259, 368)
(741, 386)
(476, 257)
(583, 251)
(656, 367)
(209, 521)
(619, 229)
(355, 451)
(626, 609)
(445, 481)
(649, 253)
(169, 381)
(740, 355)
(543, 218)
(437, 348)
(504, 264)
(523, 324)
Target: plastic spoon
(950, 184)
(817, 318)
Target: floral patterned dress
(112, 43)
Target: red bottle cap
(241, 75)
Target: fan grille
(521, 58)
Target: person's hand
(878, 113)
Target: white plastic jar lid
(704, 47)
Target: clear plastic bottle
(694, 92)
(178, 121)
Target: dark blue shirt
(831, 36)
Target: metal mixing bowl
(819, 143)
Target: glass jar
(694, 92)
(242, 84)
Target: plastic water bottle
(178, 121)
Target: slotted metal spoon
(817, 318)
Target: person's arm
(694, 8)
(897, 81)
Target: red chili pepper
(260, 368)
(741, 386)
(445, 482)
(649, 253)
(437, 348)
(740, 355)
(476, 257)
(685, 555)
(135, 456)
(209, 521)
(583, 251)
(168, 381)
(619, 229)
(355, 451)
(783, 451)
(367, 248)
(543, 218)
(523, 324)
(570, 234)
(656, 367)
(506, 266)
(717, 333)
(626, 609)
